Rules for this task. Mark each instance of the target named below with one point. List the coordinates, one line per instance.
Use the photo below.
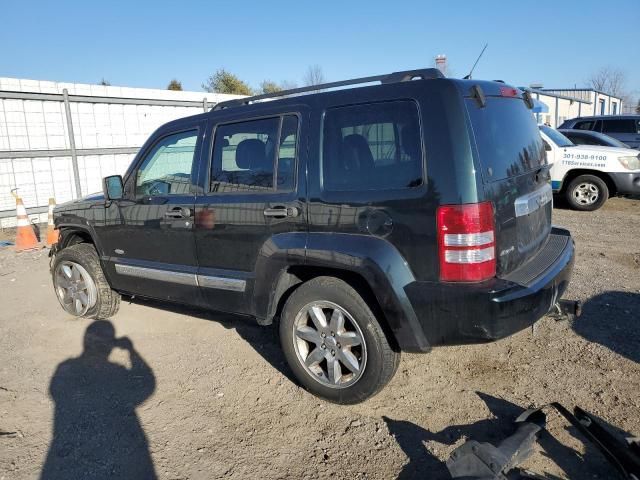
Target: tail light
(466, 242)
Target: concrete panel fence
(60, 139)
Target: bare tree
(314, 76)
(609, 80)
(288, 85)
(638, 107)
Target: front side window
(372, 147)
(166, 170)
(556, 137)
(245, 155)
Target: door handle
(281, 211)
(178, 212)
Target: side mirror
(547, 147)
(113, 187)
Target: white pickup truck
(587, 174)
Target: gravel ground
(193, 394)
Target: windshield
(556, 137)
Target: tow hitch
(566, 310)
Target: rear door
(515, 175)
(627, 130)
(253, 193)
(148, 235)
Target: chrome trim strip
(154, 274)
(223, 283)
(531, 202)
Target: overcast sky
(146, 44)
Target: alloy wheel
(329, 344)
(75, 288)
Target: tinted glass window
(507, 137)
(166, 170)
(244, 155)
(372, 147)
(586, 125)
(287, 153)
(582, 139)
(619, 126)
(556, 137)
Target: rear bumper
(454, 314)
(627, 183)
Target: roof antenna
(468, 77)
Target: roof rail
(423, 74)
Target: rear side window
(257, 155)
(619, 126)
(372, 147)
(507, 137)
(586, 125)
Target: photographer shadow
(96, 432)
(612, 319)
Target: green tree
(226, 82)
(269, 86)
(175, 85)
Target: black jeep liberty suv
(366, 221)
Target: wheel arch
(370, 265)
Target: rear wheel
(333, 342)
(80, 284)
(587, 193)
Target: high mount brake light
(508, 92)
(466, 242)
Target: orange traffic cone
(25, 236)
(52, 233)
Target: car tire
(364, 343)
(587, 193)
(80, 284)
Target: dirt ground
(201, 395)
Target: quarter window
(245, 154)
(372, 147)
(619, 126)
(166, 170)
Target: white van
(587, 174)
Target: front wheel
(587, 193)
(80, 284)
(333, 342)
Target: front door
(148, 237)
(253, 198)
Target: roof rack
(395, 77)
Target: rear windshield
(507, 137)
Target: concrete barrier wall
(109, 125)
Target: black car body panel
(193, 237)
(473, 313)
